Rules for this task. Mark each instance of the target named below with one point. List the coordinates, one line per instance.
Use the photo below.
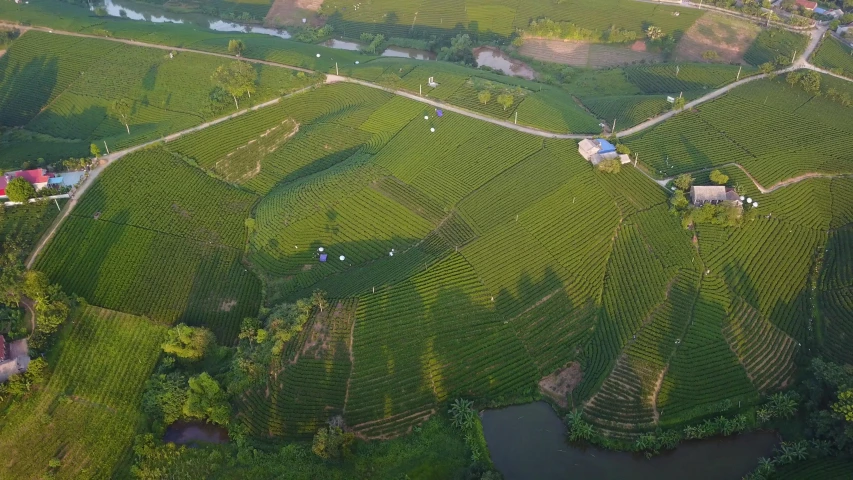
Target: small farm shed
(713, 194)
(14, 358)
(596, 150)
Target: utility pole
(57, 204)
(105, 146)
(677, 69)
(793, 57)
(421, 90)
(613, 130)
(336, 69)
(738, 72)
(516, 117)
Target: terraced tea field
(466, 259)
(88, 412)
(60, 90)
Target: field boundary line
(112, 157)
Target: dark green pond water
(529, 442)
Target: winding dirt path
(802, 62)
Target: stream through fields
(529, 441)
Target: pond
(529, 441)
(148, 13)
(398, 52)
(194, 433)
(498, 60)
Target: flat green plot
(627, 111)
(773, 44)
(157, 237)
(672, 79)
(766, 126)
(63, 87)
(836, 56)
(89, 412)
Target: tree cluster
(460, 51)
(187, 342)
(262, 342)
(611, 165)
(52, 305)
(547, 28)
(373, 43)
(20, 190)
(236, 79)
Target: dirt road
(802, 62)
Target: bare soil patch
(291, 12)
(561, 383)
(584, 54)
(227, 305)
(728, 37)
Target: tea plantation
(457, 258)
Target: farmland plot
(62, 87)
(144, 243)
(726, 131)
(836, 56)
(89, 411)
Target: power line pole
(738, 72)
(105, 146)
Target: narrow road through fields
(106, 160)
(801, 62)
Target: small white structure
(343, 258)
(431, 82)
(624, 159)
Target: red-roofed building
(37, 177)
(808, 5)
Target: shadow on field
(25, 90)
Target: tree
(684, 181)
(611, 165)
(710, 55)
(719, 177)
(94, 150)
(622, 149)
(20, 190)
(766, 68)
(679, 103)
(844, 406)
(810, 82)
(679, 200)
(237, 79)
(654, 33)
(459, 51)
(462, 413)
(792, 78)
(505, 100)
(188, 342)
(206, 400)
(122, 109)
(236, 47)
(332, 443)
(484, 96)
(318, 299)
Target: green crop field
(774, 45)
(773, 135)
(459, 258)
(409, 18)
(60, 88)
(164, 241)
(89, 411)
(835, 56)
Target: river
(398, 52)
(193, 433)
(529, 441)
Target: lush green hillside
(409, 18)
(779, 132)
(157, 237)
(88, 412)
(60, 89)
